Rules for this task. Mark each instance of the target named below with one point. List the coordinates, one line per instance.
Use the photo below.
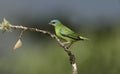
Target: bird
(65, 33)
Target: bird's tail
(83, 38)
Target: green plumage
(65, 33)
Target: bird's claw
(67, 44)
(64, 43)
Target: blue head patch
(54, 22)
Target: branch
(6, 26)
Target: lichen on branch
(5, 25)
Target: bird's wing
(64, 31)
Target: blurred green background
(98, 20)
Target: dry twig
(6, 26)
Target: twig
(71, 56)
(7, 27)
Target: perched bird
(65, 33)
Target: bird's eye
(53, 22)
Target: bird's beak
(50, 23)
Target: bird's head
(55, 22)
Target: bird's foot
(67, 44)
(64, 43)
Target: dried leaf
(17, 45)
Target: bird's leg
(67, 44)
(64, 43)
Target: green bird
(66, 33)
